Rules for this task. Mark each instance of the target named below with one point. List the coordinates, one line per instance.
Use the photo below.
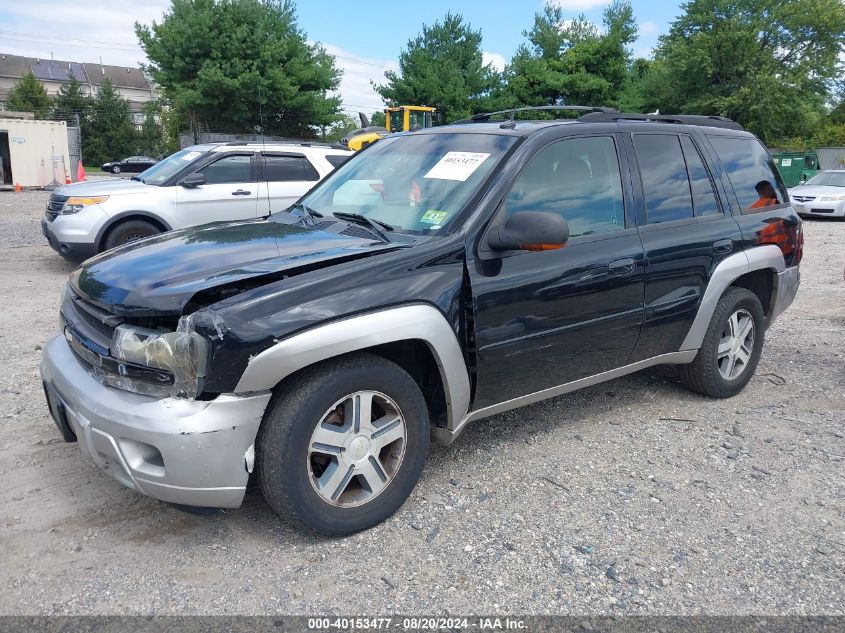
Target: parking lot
(635, 496)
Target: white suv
(200, 184)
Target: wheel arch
(125, 216)
(747, 269)
(416, 337)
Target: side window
(228, 169)
(336, 160)
(288, 169)
(752, 173)
(703, 196)
(577, 178)
(664, 176)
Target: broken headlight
(183, 353)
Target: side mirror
(530, 231)
(193, 180)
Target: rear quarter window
(753, 176)
(336, 160)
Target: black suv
(438, 277)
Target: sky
(365, 37)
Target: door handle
(622, 266)
(241, 192)
(723, 246)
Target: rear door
(546, 318)
(284, 179)
(230, 192)
(686, 230)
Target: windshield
(828, 178)
(161, 172)
(416, 183)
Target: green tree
(442, 67)
(768, 65)
(571, 62)
(112, 134)
(232, 65)
(377, 118)
(151, 140)
(29, 95)
(72, 101)
(341, 128)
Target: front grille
(103, 329)
(92, 322)
(804, 198)
(54, 206)
(821, 210)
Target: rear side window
(752, 173)
(336, 160)
(288, 169)
(229, 169)
(576, 178)
(703, 196)
(664, 176)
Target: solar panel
(54, 70)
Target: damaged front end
(141, 355)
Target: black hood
(160, 275)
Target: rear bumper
(181, 451)
(786, 287)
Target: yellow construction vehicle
(397, 119)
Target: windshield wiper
(139, 179)
(309, 215)
(377, 226)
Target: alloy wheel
(736, 345)
(356, 449)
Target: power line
(73, 41)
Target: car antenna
(263, 162)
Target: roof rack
(683, 119)
(486, 116)
(288, 142)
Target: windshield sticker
(457, 165)
(191, 155)
(433, 216)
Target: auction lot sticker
(457, 165)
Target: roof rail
(683, 119)
(288, 142)
(486, 116)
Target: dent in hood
(160, 275)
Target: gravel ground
(631, 497)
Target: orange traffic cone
(17, 187)
(80, 172)
(67, 178)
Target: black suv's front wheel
(731, 347)
(343, 444)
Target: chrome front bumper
(786, 287)
(182, 451)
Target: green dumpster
(796, 167)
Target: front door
(546, 318)
(230, 192)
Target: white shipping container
(34, 153)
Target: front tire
(343, 444)
(127, 232)
(731, 347)
(115, 169)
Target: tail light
(787, 236)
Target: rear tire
(323, 463)
(127, 232)
(731, 347)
